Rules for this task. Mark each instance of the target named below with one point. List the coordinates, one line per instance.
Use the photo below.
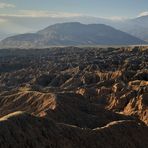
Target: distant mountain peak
(72, 33)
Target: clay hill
(68, 97)
(73, 33)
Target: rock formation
(71, 97)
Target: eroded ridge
(74, 97)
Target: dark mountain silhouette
(73, 33)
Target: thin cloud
(116, 18)
(6, 5)
(2, 20)
(41, 13)
(145, 13)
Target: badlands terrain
(72, 97)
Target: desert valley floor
(71, 97)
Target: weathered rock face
(74, 97)
(66, 108)
(23, 130)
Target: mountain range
(137, 27)
(72, 33)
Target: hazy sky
(99, 8)
(21, 16)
